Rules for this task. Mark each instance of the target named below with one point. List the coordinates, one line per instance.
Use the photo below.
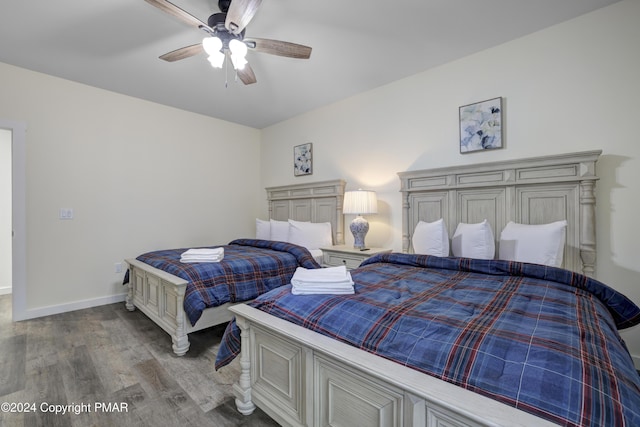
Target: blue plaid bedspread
(250, 268)
(541, 339)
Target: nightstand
(334, 256)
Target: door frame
(18, 216)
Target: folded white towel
(322, 285)
(298, 291)
(202, 255)
(332, 280)
(203, 252)
(189, 260)
(317, 275)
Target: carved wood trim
(510, 178)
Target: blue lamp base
(359, 228)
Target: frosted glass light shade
(211, 45)
(216, 59)
(238, 61)
(238, 52)
(238, 48)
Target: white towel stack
(202, 255)
(332, 280)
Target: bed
(576, 369)
(165, 290)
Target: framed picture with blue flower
(481, 126)
(303, 159)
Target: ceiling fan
(226, 31)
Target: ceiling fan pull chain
(226, 71)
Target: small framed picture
(481, 126)
(303, 159)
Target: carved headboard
(315, 202)
(529, 191)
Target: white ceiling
(357, 45)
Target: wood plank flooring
(108, 355)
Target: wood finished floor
(108, 354)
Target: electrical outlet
(118, 267)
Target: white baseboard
(72, 306)
(4, 290)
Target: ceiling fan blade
(240, 13)
(183, 52)
(246, 75)
(172, 9)
(277, 47)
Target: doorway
(18, 213)
(5, 211)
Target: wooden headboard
(315, 202)
(529, 191)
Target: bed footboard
(160, 296)
(301, 378)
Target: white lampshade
(360, 202)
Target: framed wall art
(481, 126)
(303, 159)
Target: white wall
(5, 211)
(139, 176)
(572, 87)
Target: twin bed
(430, 341)
(183, 298)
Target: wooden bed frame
(302, 378)
(160, 295)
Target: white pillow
(431, 238)
(279, 230)
(538, 244)
(311, 235)
(473, 241)
(263, 229)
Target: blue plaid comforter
(250, 268)
(541, 339)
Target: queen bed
(182, 297)
(453, 341)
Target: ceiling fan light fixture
(238, 62)
(238, 52)
(238, 48)
(212, 45)
(216, 59)
(226, 31)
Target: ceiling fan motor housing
(216, 22)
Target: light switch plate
(66, 213)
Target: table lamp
(360, 202)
